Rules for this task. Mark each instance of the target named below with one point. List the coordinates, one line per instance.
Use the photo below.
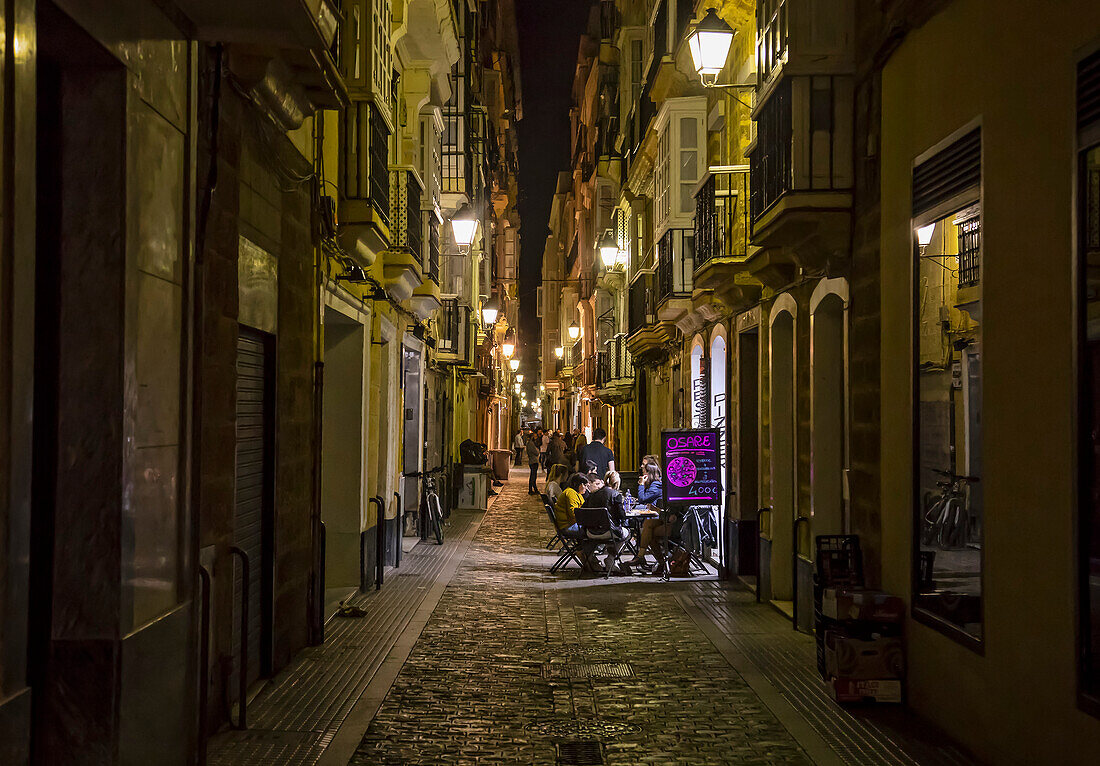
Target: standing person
(518, 445)
(556, 453)
(598, 454)
(544, 448)
(533, 461)
(580, 441)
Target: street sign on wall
(692, 461)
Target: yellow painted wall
(1010, 63)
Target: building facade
(237, 326)
(801, 265)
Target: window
(948, 475)
(636, 62)
(1088, 265)
(771, 35)
(689, 163)
(661, 179)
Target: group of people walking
(572, 451)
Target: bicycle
(946, 517)
(431, 509)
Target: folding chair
(598, 528)
(555, 539)
(570, 543)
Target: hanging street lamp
(519, 377)
(710, 44)
(559, 352)
(574, 331)
(508, 347)
(464, 227)
(609, 250)
(490, 310)
(514, 364)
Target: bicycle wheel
(435, 514)
(929, 523)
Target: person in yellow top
(569, 500)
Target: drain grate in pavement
(587, 670)
(580, 752)
(572, 729)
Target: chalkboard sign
(692, 462)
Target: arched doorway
(700, 402)
(828, 447)
(777, 546)
(718, 421)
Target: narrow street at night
(549, 382)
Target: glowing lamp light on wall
(464, 228)
(710, 44)
(559, 352)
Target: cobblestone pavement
(498, 674)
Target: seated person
(567, 501)
(649, 480)
(608, 496)
(649, 491)
(556, 483)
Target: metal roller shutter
(250, 492)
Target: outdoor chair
(598, 529)
(570, 543)
(555, 539)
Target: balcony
(650, 338)
(280, 50)
(454, 337)
(675, 268)
(365, 210)
(403, 264)
(615, 378)
(801, 171)
(722, 241)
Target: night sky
(549, 34)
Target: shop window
(948, 476)
(1088, 248)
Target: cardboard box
(865, 690)
(867, 605)
(858, 659)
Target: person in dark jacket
(609, 497)
(557, 451)
(532, 448)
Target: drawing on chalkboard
(681, 472)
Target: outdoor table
(634, 520)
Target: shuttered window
(948, 173)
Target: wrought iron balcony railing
(675, 265)
(405, 215)
(616, 363)
(642, 306)
(722, 216)
(455, 339)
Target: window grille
(970, 247)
